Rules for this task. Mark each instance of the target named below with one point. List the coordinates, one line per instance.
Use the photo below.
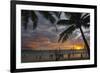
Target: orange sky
(44, 43)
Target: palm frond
(33, 16)
(75, 16)
(48, 16)
(34, 19)
(24, 12)
(66, 33)
(68, 15)
(57, 14)
(86, 25)
(86, 20)
(35, 24)
(24, 17)
(86, 14)
(65, 22)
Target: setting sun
(78, 47)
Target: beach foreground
(52, 55)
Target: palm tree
(25, 14)
(75, 21)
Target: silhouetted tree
(75, 21)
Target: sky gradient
(45, 36)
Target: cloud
(45, 35)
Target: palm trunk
(85, 41)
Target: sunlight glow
(78, 47)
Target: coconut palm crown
(75, 21)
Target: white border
(20, 65)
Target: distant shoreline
(52, 55)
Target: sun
(78, 47)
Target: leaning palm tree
(75, 21)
